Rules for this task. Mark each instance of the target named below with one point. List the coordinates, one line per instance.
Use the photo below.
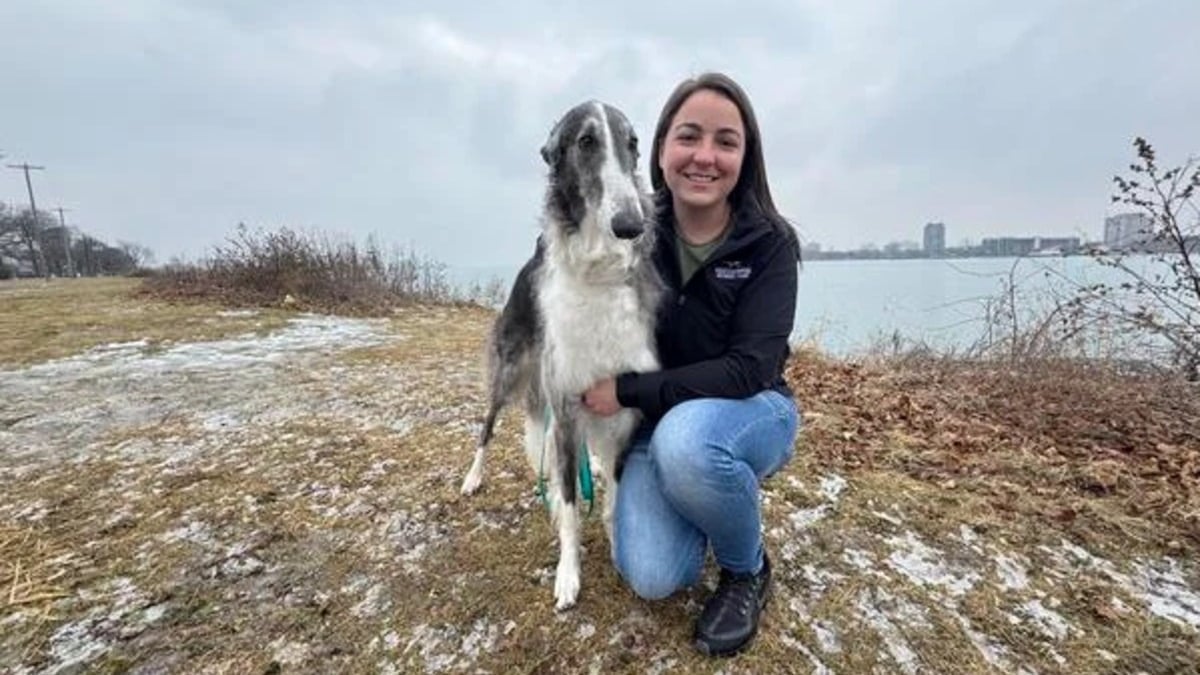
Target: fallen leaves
(1081, 427)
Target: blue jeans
(694, 481)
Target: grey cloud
(167, 122)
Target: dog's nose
(627, 225)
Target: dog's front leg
(603, 451)
(566, 445)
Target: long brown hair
(752, 193)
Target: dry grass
(44, 320)
(1049, 439)
(300, 513)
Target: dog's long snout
(627, 224)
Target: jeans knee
(677, 446)
(650, 580)
(651, 587)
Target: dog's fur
(580, 310)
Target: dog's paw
(474, 478)
(566, 586)
(471, 482)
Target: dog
(581, 309)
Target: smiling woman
(701, 161)
(719, 417)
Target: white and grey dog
(581, 309)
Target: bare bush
(1158, 297)
(1147, 316)
(309, 271)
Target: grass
(300, 513)
(45, 320)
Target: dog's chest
(594, 329)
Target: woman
(719, 416)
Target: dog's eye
(587, 142)
(633, 145)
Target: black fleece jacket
(725, 333)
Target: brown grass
(44, 320)
(330, 542)
(1045, 439)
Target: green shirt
(692, 256)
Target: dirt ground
(197, 489)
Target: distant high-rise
(1127, 229)
(935, 239)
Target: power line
(27, 167)
(66, 237)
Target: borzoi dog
(581, 309)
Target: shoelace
(742, 590)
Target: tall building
(935, 239)
(1127, 229)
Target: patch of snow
(1011, 572)
(797, 605)
(803, 519)
(991, 651)
(73, 645)
(858, 559)
(220, 421)
(819, 668)
(195, 532)
(289, 653)
(371, 604)
(481, 639)
(887, 517)
(429, 641)
(925, 565)
(1160, 585)
(222, 386)
(827, 637)
(446, 648)
(1051, 623)
(893, 638)
(832, 487)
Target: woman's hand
(601, 398)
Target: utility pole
(66, 237)
(41, 259)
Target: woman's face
(701, 154)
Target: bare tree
(137, 254)
(1159, 292)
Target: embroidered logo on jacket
(732, 269)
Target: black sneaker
(730, 617)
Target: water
(846, 307)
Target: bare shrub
(308, 271)
(1158, 297)
(1148, 317)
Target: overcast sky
(166, 122)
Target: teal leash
(585, 470)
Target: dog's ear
(550, 151)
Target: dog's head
(594, 188)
